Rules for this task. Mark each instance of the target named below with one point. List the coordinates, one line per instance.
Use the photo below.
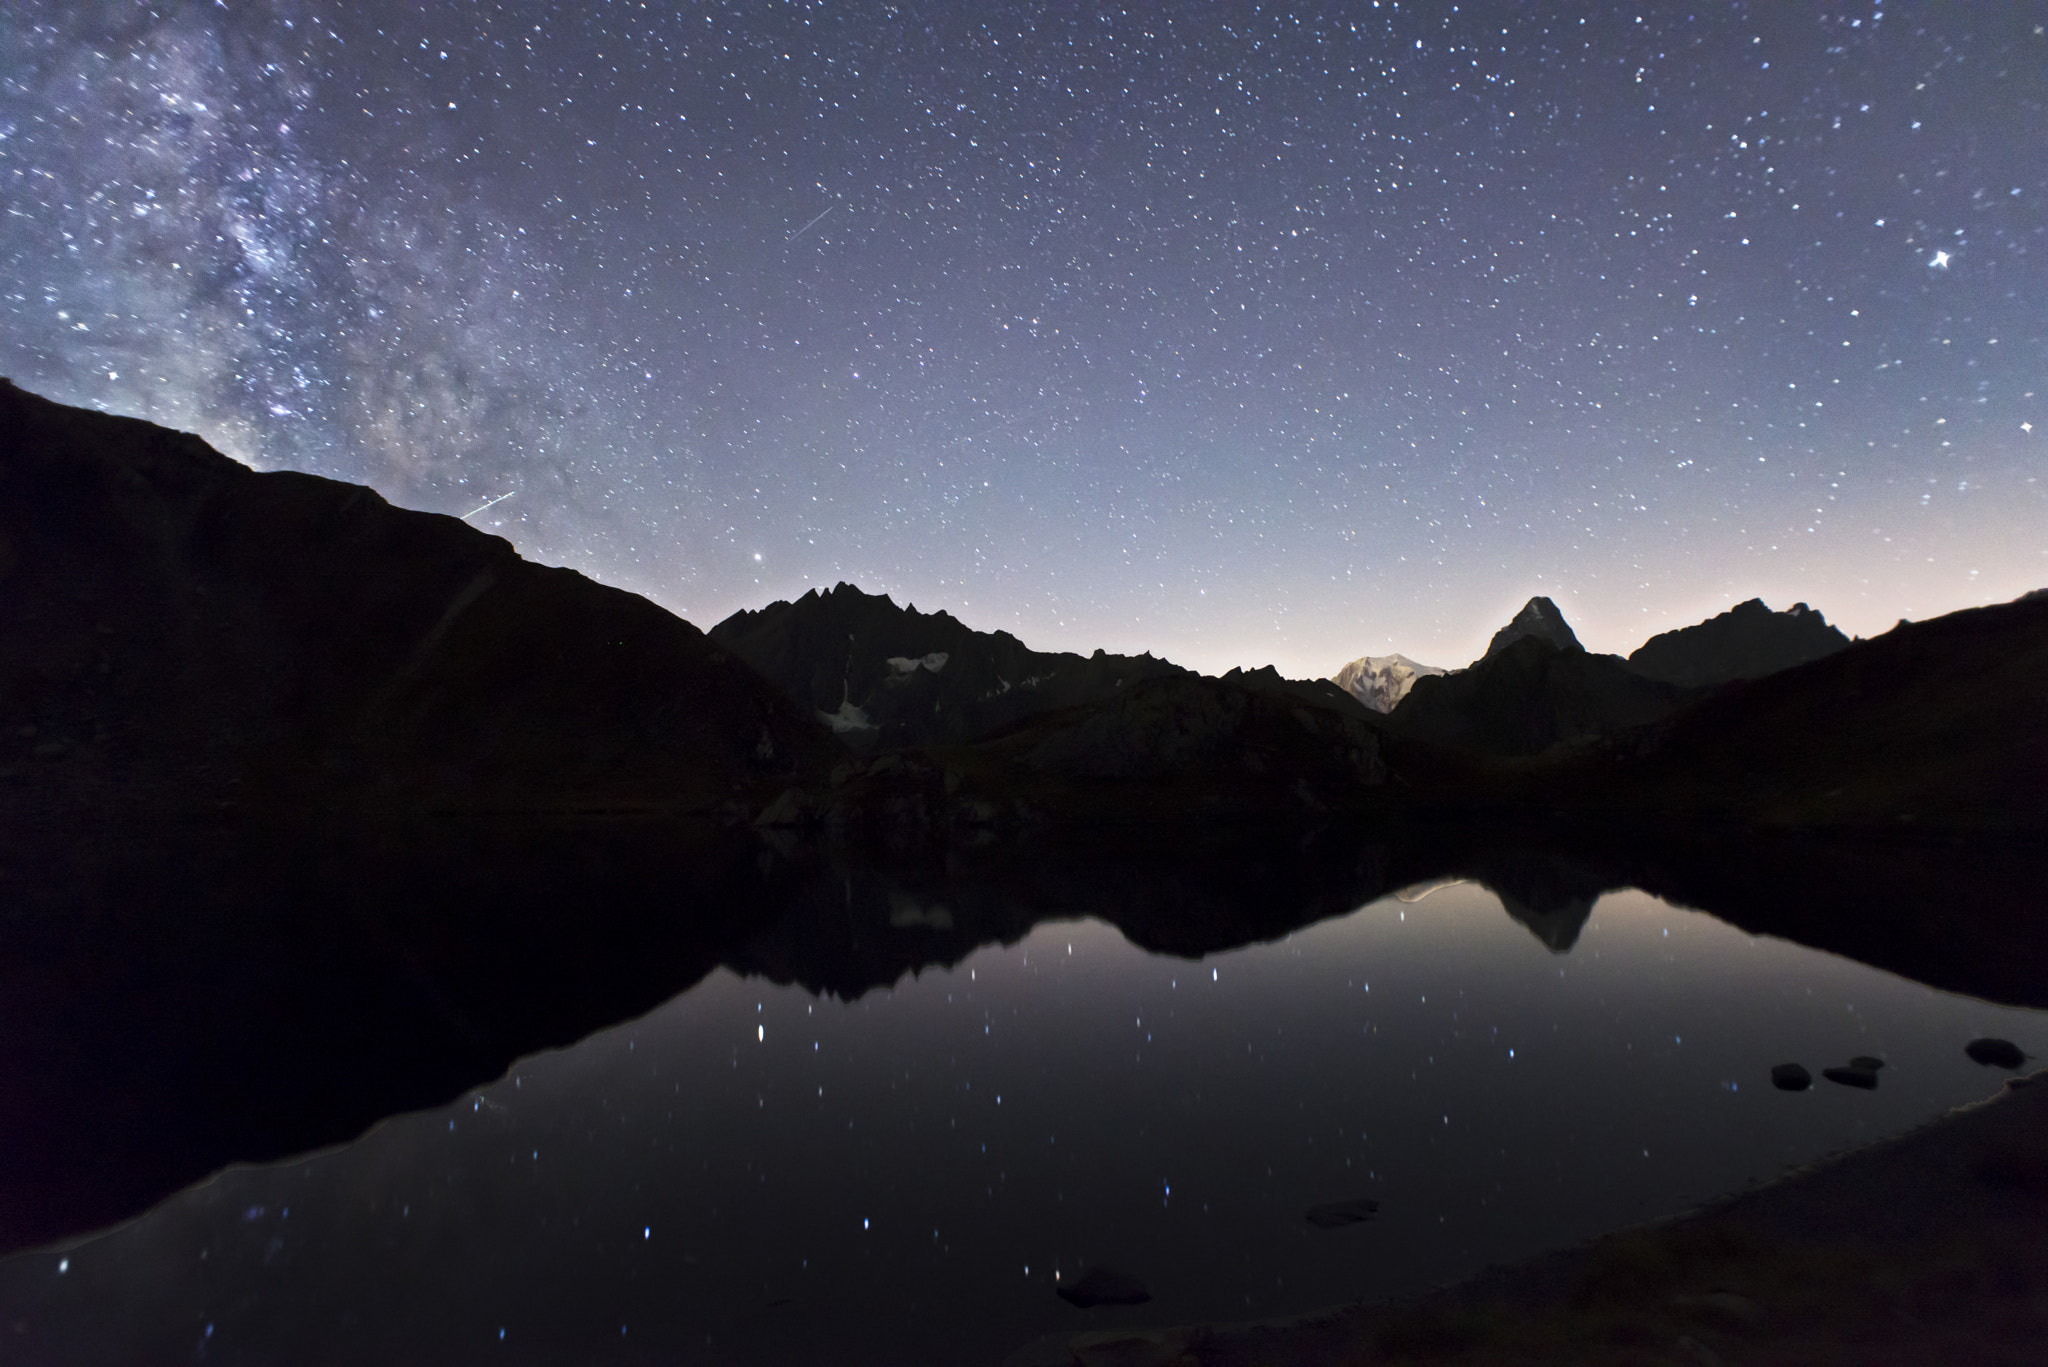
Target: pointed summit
(1538, 617)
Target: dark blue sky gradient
(1242, 333)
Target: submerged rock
(1724, 1305)
(1339, 1214)
(1791, 1077)
(1995, 1053)
(1103, 1286)
(1865, 1078)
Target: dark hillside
(183, 632)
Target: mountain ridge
(187, 632)
(886, 677)
(1747, 641)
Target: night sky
(1242, 333)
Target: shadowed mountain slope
(1940, 724)
(1530, 695)
(1746, 642)
(184, 632)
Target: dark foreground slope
(886, 677)
(182, 632)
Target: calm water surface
(755, 1175)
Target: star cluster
(1239, 332)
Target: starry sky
(1239, 332)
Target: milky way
(1242, 333)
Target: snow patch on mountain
(848, 718)
(904, 666)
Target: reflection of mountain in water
(854, 929)
(297, 985)
(175, 1001)
(1553, 897)
(1557, 923)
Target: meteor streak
(813, 223)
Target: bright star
(1940, 262)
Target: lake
(754, 1173)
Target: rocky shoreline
(1927, 1247)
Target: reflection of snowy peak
(1380, 681)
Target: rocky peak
(1539, 617)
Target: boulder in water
(1995, 1053)
(1102, 1286)
(1339, 1214)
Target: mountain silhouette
(1935, 725)
(1540, 618)
(184, 632)
(886, 677)
(1746, 642)
(1535, 687)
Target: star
(936, 379)
(2026, 427)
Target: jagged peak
(1539, 617)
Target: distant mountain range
(185, 634)
(885, 677)
(1520, 699)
